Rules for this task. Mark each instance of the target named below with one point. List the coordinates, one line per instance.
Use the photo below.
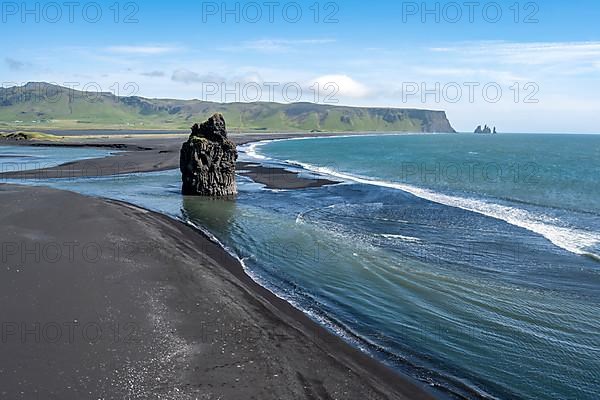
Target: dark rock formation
(486, 130)
(207, 160)
(14, 136)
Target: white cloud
(525, 53)
(186, 76)
(277, 45)
(142, 50)
(473, 74)
(345, 85)
(15, 65)
(154, 74)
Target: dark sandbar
(153, 155)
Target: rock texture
(207, 160)
(485, 130)
(14, 136)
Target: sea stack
(485, 130)
(207, 160)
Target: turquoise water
(482, 285)
(545, 183)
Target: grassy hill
(40, 105)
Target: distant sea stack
(485, 130)
(207, 160)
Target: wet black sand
(102, 299)
(137, 155)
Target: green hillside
(45, 106)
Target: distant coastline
(52, 107)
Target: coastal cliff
(40, 105)
(207, 160)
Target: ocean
(25, 158)
(469, 262)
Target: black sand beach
(102, 299)
(144, 155)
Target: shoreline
(156, 155)
(80, 132)
(284, 316)
(271, 177)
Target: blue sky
(535, 70)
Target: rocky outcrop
(432, 121)
(485, 130)
(207, 160)
(14, 136)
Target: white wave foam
(574, 240)
(409, 239)
(571, 239)
(250, 150)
